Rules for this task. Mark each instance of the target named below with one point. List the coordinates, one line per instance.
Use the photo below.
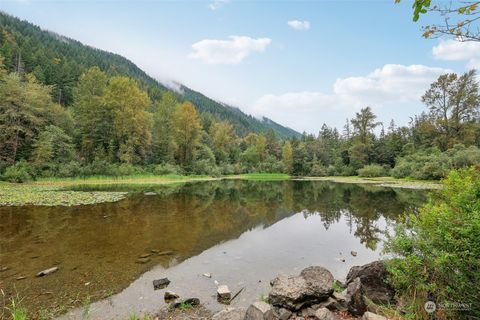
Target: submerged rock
(47, 272)
(353, 253)
(143, 260)
(160, 283)
(372, 277)
(313, 285)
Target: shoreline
(54, 192)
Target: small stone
(143, 260)
(145, 255)
(208, 275)
(229, 314)
(192, 301)
(87, 283)
(21, 278)
(5, 268)
(165, 253)
(372, 316)
(260, 311)
(150, 193)
(160, 283)
(325, 314)
(169, 296)
(223, 293)
(284, 314)
(47, 272)
(353, 253)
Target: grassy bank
(380, 181)
(54, 192)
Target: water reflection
(97, 247)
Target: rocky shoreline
(315, 294)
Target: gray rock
(313, 285)
(260, 311)
(47, 272)
(331, 304)
(190, 301)
(208, 275)
(372, 316)
(160, 283)
(143, 260)
(223, 293)
(230, 314)
(325, 314)
(373, 276)
(284, 314)
(169, 296)
(354, 298)
(353, 253)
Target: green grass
(16, 312)
(264, 176)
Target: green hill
(59, 61)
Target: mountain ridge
(63, 60)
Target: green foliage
(431, 164)
(372, 170)
(436, 252)
(19, 172)
(166, 169)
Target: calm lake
(242, 232)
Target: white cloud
(299, 25)
(390, 89)
(452, 50)
(232, 51)
(217, 4)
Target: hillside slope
(59, 61)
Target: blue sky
(301, 63)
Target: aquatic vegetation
(44, 195)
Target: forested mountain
(59, 61)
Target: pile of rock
(311, 295)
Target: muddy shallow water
(242, 232)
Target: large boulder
(372, 277)
(313, 285)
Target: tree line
(113, 127)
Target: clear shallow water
(242, 232)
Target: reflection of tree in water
(362, 206)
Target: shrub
(402, 170)
(318, 171)
(167, 168)
(372, 170)
(436, 254)
(19, 172)
(205, 167)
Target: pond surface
(242, 232)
